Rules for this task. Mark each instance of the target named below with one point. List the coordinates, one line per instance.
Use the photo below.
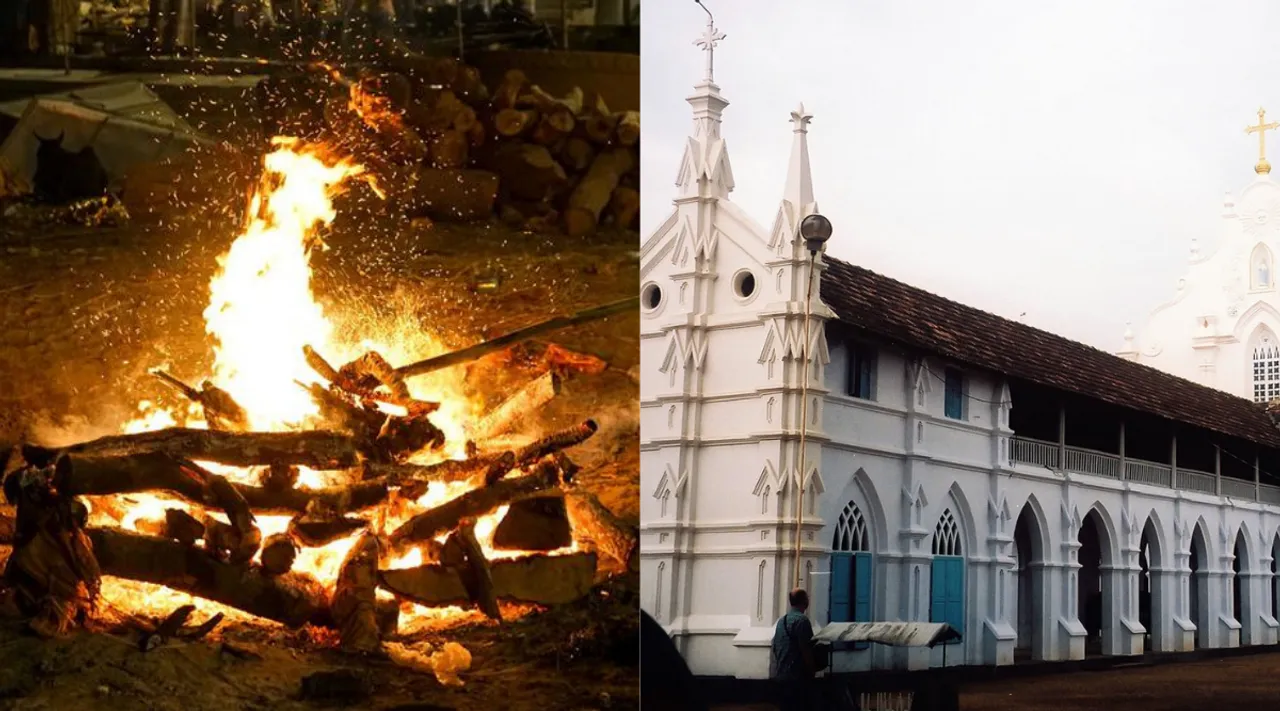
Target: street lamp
(815, 230)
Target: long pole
(804, 408)
(472, 352)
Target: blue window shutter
(955, 594)
(862, 587)
(841, 583)
(938, 590)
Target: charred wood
(315, 449)
(539, 579)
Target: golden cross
(1261, 129)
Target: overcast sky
(1048, 158)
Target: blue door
(946, 602)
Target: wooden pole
(471, 353)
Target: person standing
(791, 659)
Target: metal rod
(804, 404)
(472, 352)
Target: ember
(362, 497)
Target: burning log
(316, 532)
(339, 498)
(527, 399)
(538, 579)
(402, 436)
(181, 527)
(556, 441)
(475, 503)
(355, 597)
(598, 525)
(484, 348)
(279, 477)
(220, 409)
(478, 576)
(278, 553)
(450, 470)
(540, 524)
(292, 598)
(227, 543)
(315, 449)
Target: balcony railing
(1037, 453)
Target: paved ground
(1247, 682)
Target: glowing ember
(261, 313)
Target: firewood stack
(458, 150)
(59, 557)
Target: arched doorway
(1093, 587)
(1199, 586)
(1152, 611)
(1029, 616)
(1242, 607)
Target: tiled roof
(913, 317)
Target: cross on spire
(707, 41)
(1262, 167)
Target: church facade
(906, 457)
(1220, 328)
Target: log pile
(458, 150)
(209, 544)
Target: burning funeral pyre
(362, 497)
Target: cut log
(555, 442)
(525, 401)
(627, 128)
(77, 475)
(598, 122)
(364, 375)
(528, 171)
(278, 553)
(225, 542)
(596, 524)
(505, 95)
(279, 477)
(534, 525)
(449, 150)
(315, 449)
(577, 154)
(355, 597)
(318, 532)
(457, 195)
(512, 123)
(475, 503)
(293, 598)
(592, 194)
(625, 206)
(542, 580)
(478, 578)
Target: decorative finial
(707, 41)
(801, 119)
(1262, 167)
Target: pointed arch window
(946, 579)
(852, 569)
(1261, 269)
(1266, 369)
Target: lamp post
(815, 230)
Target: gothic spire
(799, 190)
(704, 169)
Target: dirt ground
(1247, 682)
(85, 312)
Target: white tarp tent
(893, 634)
(124, 122)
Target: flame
(261, 313)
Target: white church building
(1220, 327)
(918, 459)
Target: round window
(744, 284)
(651, 297)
